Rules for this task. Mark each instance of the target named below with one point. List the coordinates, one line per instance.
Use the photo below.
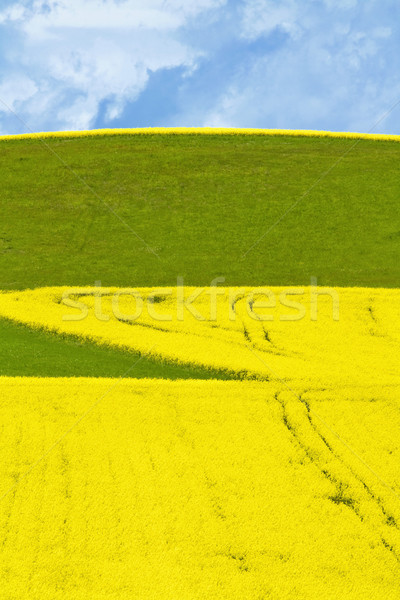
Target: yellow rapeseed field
(348, 336)
(285, 486)
(153, 489)
(202, 131)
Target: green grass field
(35, 353)
(199, 204)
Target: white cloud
(261, 17)
(332, 73)
(12, 13)
(15, 90)
(329, 64)
(47, 16)
(88, 52)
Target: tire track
(344, 494)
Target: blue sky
(297, 64)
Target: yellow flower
(202, 131)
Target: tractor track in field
(271, 348)
(341, 486)
(377, 329)
(390, 519)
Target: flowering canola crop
(285, 486)
(350, 344)
(201, 131)
(196, 489)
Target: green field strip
(37, 353)
(200, 203)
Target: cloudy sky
(298, 64)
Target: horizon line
(200, 131)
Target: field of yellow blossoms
(202, 131)
(284, 484)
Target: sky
(291, 64)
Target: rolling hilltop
(140, 210)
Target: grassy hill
(281, 484)
(199, 203)
(142, 210)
